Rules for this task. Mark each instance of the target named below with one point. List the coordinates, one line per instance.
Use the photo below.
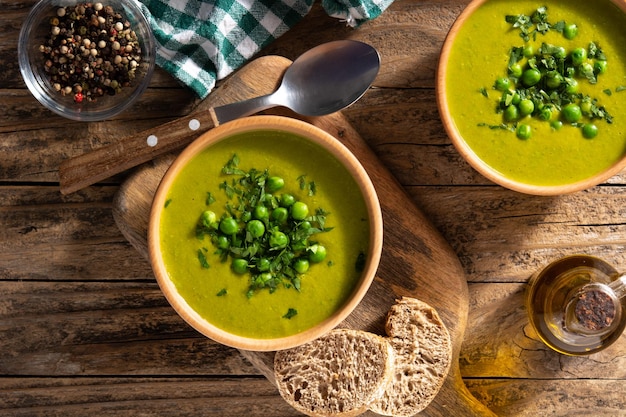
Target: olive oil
(572, 308)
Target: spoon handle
(243, 108)
(87, 169)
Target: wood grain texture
(74, 292)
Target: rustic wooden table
(85, 330)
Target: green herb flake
(167, 203)
(302, 182)
(292, 312)
(222, 292)
(608, 92)
(210, 199)
(484, 92)
(620, 88)
(529, 26)
(204, 263)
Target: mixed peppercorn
(91, 51)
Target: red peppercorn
(78, 97)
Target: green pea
(523, 131)
(270, 200)
(305, 225)
(262, 279)
(301, 265)
(287, 200)
(274, 184)
(239, 266)
(317, 253)
(571, 113)
(578, 55)
(278, 239)
(585, 107)
(590, 130)
(229, 226)
(299, 210)
(556, 124)
(515, 70)
(516, 98)
(531, 77)
(223, 242)
(570, 31)
(280, 214)
(571, 85)
(586, 69)
(528, 51)
(545, 113)
(554, 80)
(526, 107)
(502, 84)
(256, 228)
(263, 264)
(599, 67)
(260, 212)
(208, 219)
(511, 113)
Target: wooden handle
(81, 171)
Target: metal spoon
(321, 81)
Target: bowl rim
(342, 154)
(35, 80)
(466, 151)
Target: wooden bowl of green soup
(265, 233)
(533, 93)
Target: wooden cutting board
(416, 261)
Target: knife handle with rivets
(87, 169)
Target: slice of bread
(423, 353)
(339, 374)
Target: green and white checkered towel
(201, 41)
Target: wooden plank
(540, 397)
(44, 235)
(123, 397)
(210, 396)
(513, 235)
(76, 328)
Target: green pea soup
(324, 287)
(480, 54)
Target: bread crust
(423, 353)
(336, 375)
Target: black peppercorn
(86, 36)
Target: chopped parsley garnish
(529, 26)
(543, 83)
(265, 233)
(204, 263)
(290, 313)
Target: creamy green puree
(480, 55)
(325, 286)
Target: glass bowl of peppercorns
(86, 61)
